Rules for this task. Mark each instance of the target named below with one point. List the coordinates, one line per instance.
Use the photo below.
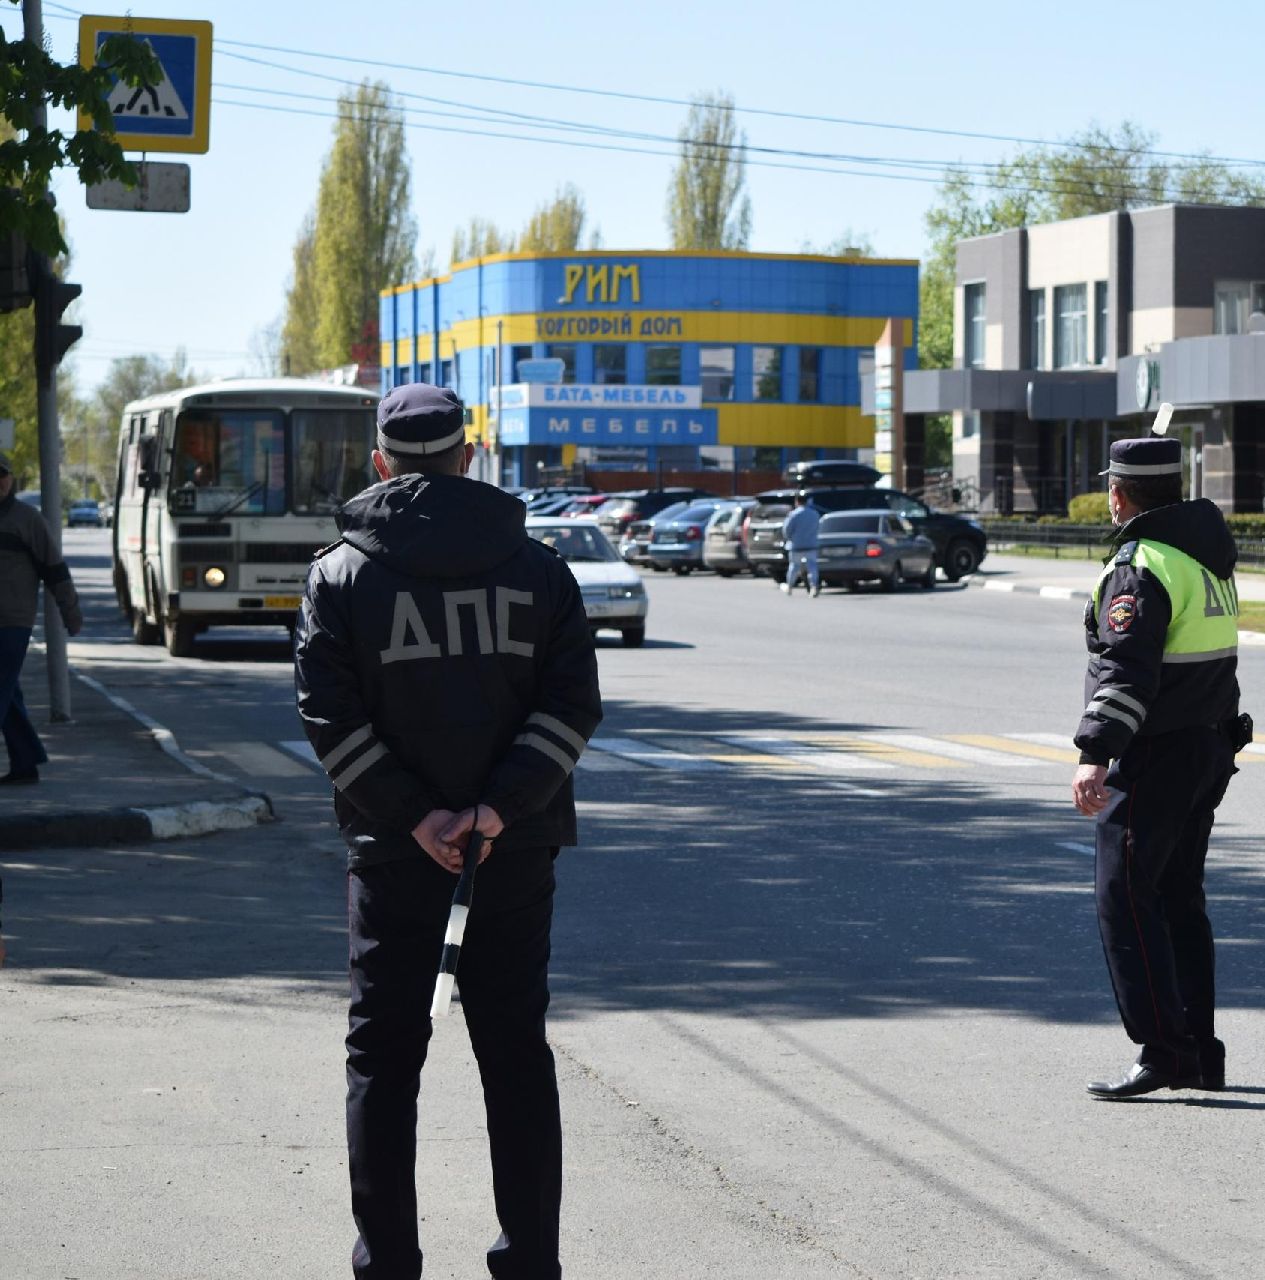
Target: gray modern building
(1068, 335)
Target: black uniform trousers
(1152, 840)
(398, 912)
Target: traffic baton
(461, 899)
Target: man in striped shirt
(446, 677)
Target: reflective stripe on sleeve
(358, 766)
(555, 753)
(563, 731)
(346, 747)
(1115, 713)
(1124, 699)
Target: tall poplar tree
(557, 225)
(362, 236)
(478, 239)
(707, 207)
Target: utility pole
(51, 340)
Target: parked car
(723, 549)
(584, 506)
(676, 542)
(32, 498)
(878, 545)
(634, 543)
(85, 512)
(621, 509)
(960, 543)
(549, 505)
(614, 596)
(835, 472)
(552, 491)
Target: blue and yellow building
(683, 359)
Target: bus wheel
(178, 633)
(143, 631)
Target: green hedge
(1245, 525)
(1089, 508)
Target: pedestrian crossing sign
(175, 113)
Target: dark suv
(960, 543)
(621, 509)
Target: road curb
(111, 826)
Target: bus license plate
(281, 602)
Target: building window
(1235, 300)
(566, 353)
(517, 356)
(766, 373)
(1036, 328)
(445, 373)
(1100, 322)
(610, 364)
(973, 299)
(423, 371)
(1070, 326)
(716, 367)
(810, 374)
(970, 424)
(402, 375)
(663, 366)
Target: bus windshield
(230, 460)
(332, 449)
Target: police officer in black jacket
(447, 681)
(1157, 741)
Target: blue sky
(209, 279)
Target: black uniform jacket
(1130, 691)
(443, 658)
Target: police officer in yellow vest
(1157, 742)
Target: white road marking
(259, 760)
(954, 750)
(1087, 849)
(603, 762)
(656, 757)
(303, 749)
(1044, 739)
(999, 586)
(1061, 593)
(836, 761)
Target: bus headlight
(214, 577)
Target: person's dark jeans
(397, 916)
(26, 751)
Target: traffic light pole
(46, 413)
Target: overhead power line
(378, 63)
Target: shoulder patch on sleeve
(324, 551)
(1125, 554)
(1121, 612)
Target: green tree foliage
(361, 238)
(557, 225)
(1095, 171)
(707, 207)
(28, 77)
(90, 425)
(848, 244)
(478, 239)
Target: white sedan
(614, 597)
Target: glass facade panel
(810, 374)
(1071, 325)
(1036, 328)
(973, 299)
(423, 372)
(610, 364)
(516, 356)
(766, 373)
(566, 353)
(716, 369)
(663, 366)
(1100, 322)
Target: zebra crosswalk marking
(656, 757)
(886, 755)
(604, 762)
(303, 750)
(1038, 750)
(260, 760)
(955, 750)
(789, 753)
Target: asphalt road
(827, 978)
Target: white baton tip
(442, 999)
(1162, 419)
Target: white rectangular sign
(554, 395)
(163, 188)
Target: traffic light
(15, 286)
(52, 296)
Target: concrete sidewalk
(113, 774)
(1068, 578)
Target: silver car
(723, 549)
(867, 546)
